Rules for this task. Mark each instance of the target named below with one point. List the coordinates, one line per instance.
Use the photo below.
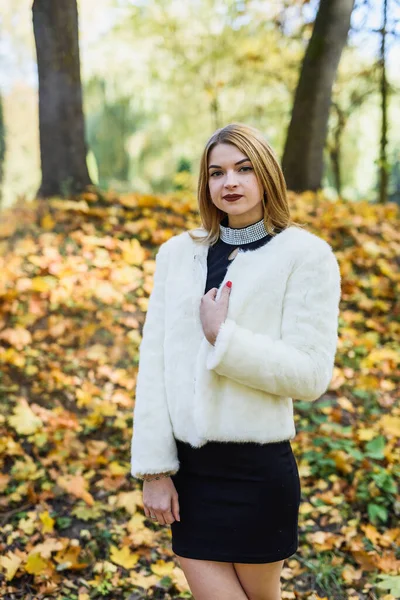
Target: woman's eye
(216, 172)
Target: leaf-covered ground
(74, 286)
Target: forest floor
(75, 279)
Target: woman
(242, 319)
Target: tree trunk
(335, 147)
(302, 161)
(383, 160)
(62, 131)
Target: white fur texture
(278, 343)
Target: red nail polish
(229, 283)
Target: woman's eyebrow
(238, 163)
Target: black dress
(239, 501)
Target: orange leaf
(77, 486)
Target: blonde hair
(251, 142)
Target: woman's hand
(160, 500)
(213, 312)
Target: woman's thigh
(260, 581)
(211, 580)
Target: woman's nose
(230, 178)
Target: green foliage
(109, 126)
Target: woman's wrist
(152, 476)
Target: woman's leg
(260, 582)
(211, 580)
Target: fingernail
(229, 283)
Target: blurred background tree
(302, 160)
(61, 123)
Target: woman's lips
(232, 199)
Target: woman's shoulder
(183, 240)
(313, 254)
(303, 239)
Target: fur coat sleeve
(152, 428)
(300, 364)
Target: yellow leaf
(98, 353)
(43, 284)
(35, 564)
(381, 355)
(117, 469)
(24, 421)
(372, 533)
(19, 337)
(124, 557)
(132, 252)
(142, 303)
(343, 460)
(372, 248)
(136, 523)
(305, 508)
(48, 522)
(10, 563)
(128, 200)
(345, 404)
(29, 524)
(367, 434)
(68, 557)
(129, 501)
(105, 292)
(48, 546)
(390, 425)
(84, 397)
(73, 205)
(142, 581)
(8, 228)
(351, 574)
(180, 580)
(162, 568)
(304, 470)
(47, 222)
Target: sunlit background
(159, 76)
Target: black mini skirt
(239, 502)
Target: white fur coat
(278, 343)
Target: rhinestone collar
(242, 235)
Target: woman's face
(226, 177)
